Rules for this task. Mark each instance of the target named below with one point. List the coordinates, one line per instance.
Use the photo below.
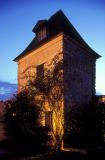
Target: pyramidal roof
(56, 23)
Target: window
(48, 119)
(40, 71)
(42, 34)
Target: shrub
(21, 117)
(83, 127)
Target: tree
(84, 127)
(49, 91)
(21, 117)
(101, 115)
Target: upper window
(40, 71)
(42, 34)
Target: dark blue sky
(18, 17)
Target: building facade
(56, 37)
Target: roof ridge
(57, 23)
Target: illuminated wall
(27, 66)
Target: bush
(21, 117)
(83, 127)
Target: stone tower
(57, 36)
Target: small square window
(40, 71)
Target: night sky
(18, 17)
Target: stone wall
(79, 74)
(42, 55)
(27, 66)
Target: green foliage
(50, 90)
(84, 126)
(101, 114)
(21, 117)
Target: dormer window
(41, 34)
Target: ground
(15, 152)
